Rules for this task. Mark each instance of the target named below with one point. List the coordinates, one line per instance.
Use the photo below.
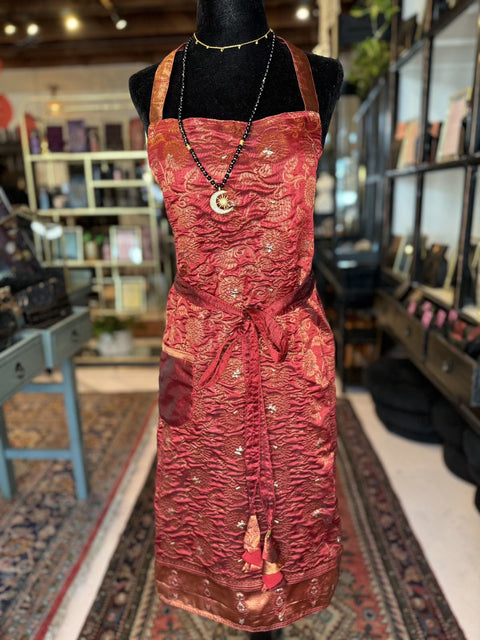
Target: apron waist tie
(253, 322)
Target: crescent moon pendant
(220, 203)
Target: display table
(35, 351)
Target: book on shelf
(433, 135)
(407, 155)
(452, 140)
(410, 31)
(55, 138)
(137, 135)
(93, 139)
(114, 137)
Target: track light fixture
(71, 22)
(9, 29)
(303, 11)
(32, 28)
(120, 23)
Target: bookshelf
(86, 169)
(429, 301)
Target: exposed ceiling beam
(154, 28)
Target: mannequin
(220, 86)
(223, 86)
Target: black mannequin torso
(225, 85)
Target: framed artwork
(70, 245)
(77, 136)
(131, 294)
(126, 244)
(404, 257)
(451, 134)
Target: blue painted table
(35, 351)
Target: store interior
(87, 260)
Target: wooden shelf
(118, 184)
(146, 351)
(94, 211)
(94, 156)
(79, 264)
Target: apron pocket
(175, 398)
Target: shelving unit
(346, 272)
(430, 298)
(107, 193)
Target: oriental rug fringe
(386, 591)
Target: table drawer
(19, 364)
(459, 374)
(409, 331)
(65, 338)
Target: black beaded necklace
(219, 201)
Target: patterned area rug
(386, 589)
(45, 531)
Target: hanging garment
(247, 527)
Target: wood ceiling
(154, 28)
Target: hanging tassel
(272, 576)
(251, 543)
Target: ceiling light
(120, 23)
(54, 105)
(71, 22)
(10, 29)
(302, 13)
(33, 29)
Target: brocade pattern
(249, 258)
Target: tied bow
(254, 322)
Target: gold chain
(232, 46)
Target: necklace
(219, 202)
(232, 46)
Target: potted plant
(371, 57)
(93, 244)
(114, 335)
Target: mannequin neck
(227, 22)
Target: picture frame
(131, 294)
(404, 258)
(70, 245)
(126, 244)
(77, 136)
(451, 132)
